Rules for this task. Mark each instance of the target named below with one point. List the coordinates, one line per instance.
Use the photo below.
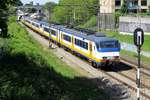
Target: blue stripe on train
(109, 49)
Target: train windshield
(108, 44)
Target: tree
(49, 8)
(4, 7)
(124, 7)
(74, 11)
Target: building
(107, 6)
(110, 6)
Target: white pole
(138, 70)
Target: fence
(127, 25)
(106, 21)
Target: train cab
(107, 50)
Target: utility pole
(98, 18)
(74, 16)
(49, 16)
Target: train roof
(98, 39)
(95, 37)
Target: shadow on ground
(117, 68)
(22, 78)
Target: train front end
(108, 51)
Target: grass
(129, 39)
(27, 72)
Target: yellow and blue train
(98, 49)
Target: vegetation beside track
(27, 72)
(133, 58)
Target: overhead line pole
(98, 18)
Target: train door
(73, 42)
(58, 36)
(90, 49)
(93, 50)
(41, 28)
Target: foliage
(4, 9)
(117, 15)
(124, 7)
(29, 72)
(32, 10)
(6, 3)
(74, 12)
(90, 23)
(148, 9)
(49, 7)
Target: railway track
(134, 65)
(129, 82)
(129, 86)
(145, 72)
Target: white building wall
(107, 6)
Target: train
(98, 49)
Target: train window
(81, 44)
(33, 24)
(85, 45)
(53, 32)
(76, 41)
(67, 38)
(46, 29)
(40, 25)
(36, 25)
(109, 44)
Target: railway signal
(138, 41)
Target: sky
(39, 1)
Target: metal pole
(138, 72)
(98, 18)
(74, 16)
(98, 26)
(139, 59)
